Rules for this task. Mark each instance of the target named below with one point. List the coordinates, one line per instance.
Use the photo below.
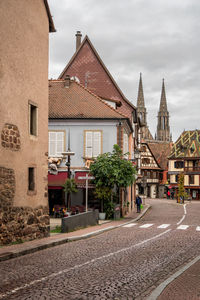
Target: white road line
(130, 225)
(164, 226)
(198, 228)
(52, 275)
(183, 217)
(183, 227)
(181, 220)
(146, 225)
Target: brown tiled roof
(161, 152)
(87, 65)
(78, 103)
(187, 145)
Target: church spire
(163, 101)
(142, 114)
(140, 98)
(163, 129)
(140, 103)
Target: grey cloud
(158, 38)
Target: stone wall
(10, 137)
(81, 220)
(19, 224)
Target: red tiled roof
(77, 102)
(87, 65)
(161, 152)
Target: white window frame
(58, 142)
(92, 143)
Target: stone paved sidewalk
(8, 252)
(186, 286)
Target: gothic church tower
(141, 111)
(163, 129)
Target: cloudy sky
(159, 38)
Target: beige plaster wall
(171, 166)
(24, 31)
(196, 180)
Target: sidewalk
(183, 285)
(8, 252)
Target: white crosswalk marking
(183, 227)
(164, 226)
(146, 225)
(130, 225)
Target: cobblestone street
(125, 263)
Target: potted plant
(104, 195)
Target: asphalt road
(124, 263)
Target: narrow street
(125, 263)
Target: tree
(111, 170)
(69, 187)
(181, 190)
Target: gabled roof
(154, 157)
(187, 145)
(51, 24)
(77, 102)
(87, 65)
(161, 151)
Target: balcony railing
(192, 169)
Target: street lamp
(67, 157)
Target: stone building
(142, 113)
(24, 27)
(163, 128)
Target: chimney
(78, 39)
(67, 81)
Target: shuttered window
(93, 143)
(125, 148)
(56, 143)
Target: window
(31, 179)
(143, 148)
(56, 143)
(125, 147)
(176, 178)
(154, 175)
(145, 161)
(191, 179)
(178, 164)
(93, 143)
(33, 119)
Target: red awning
(57, 180)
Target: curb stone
(60, 241)
(157, 292)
